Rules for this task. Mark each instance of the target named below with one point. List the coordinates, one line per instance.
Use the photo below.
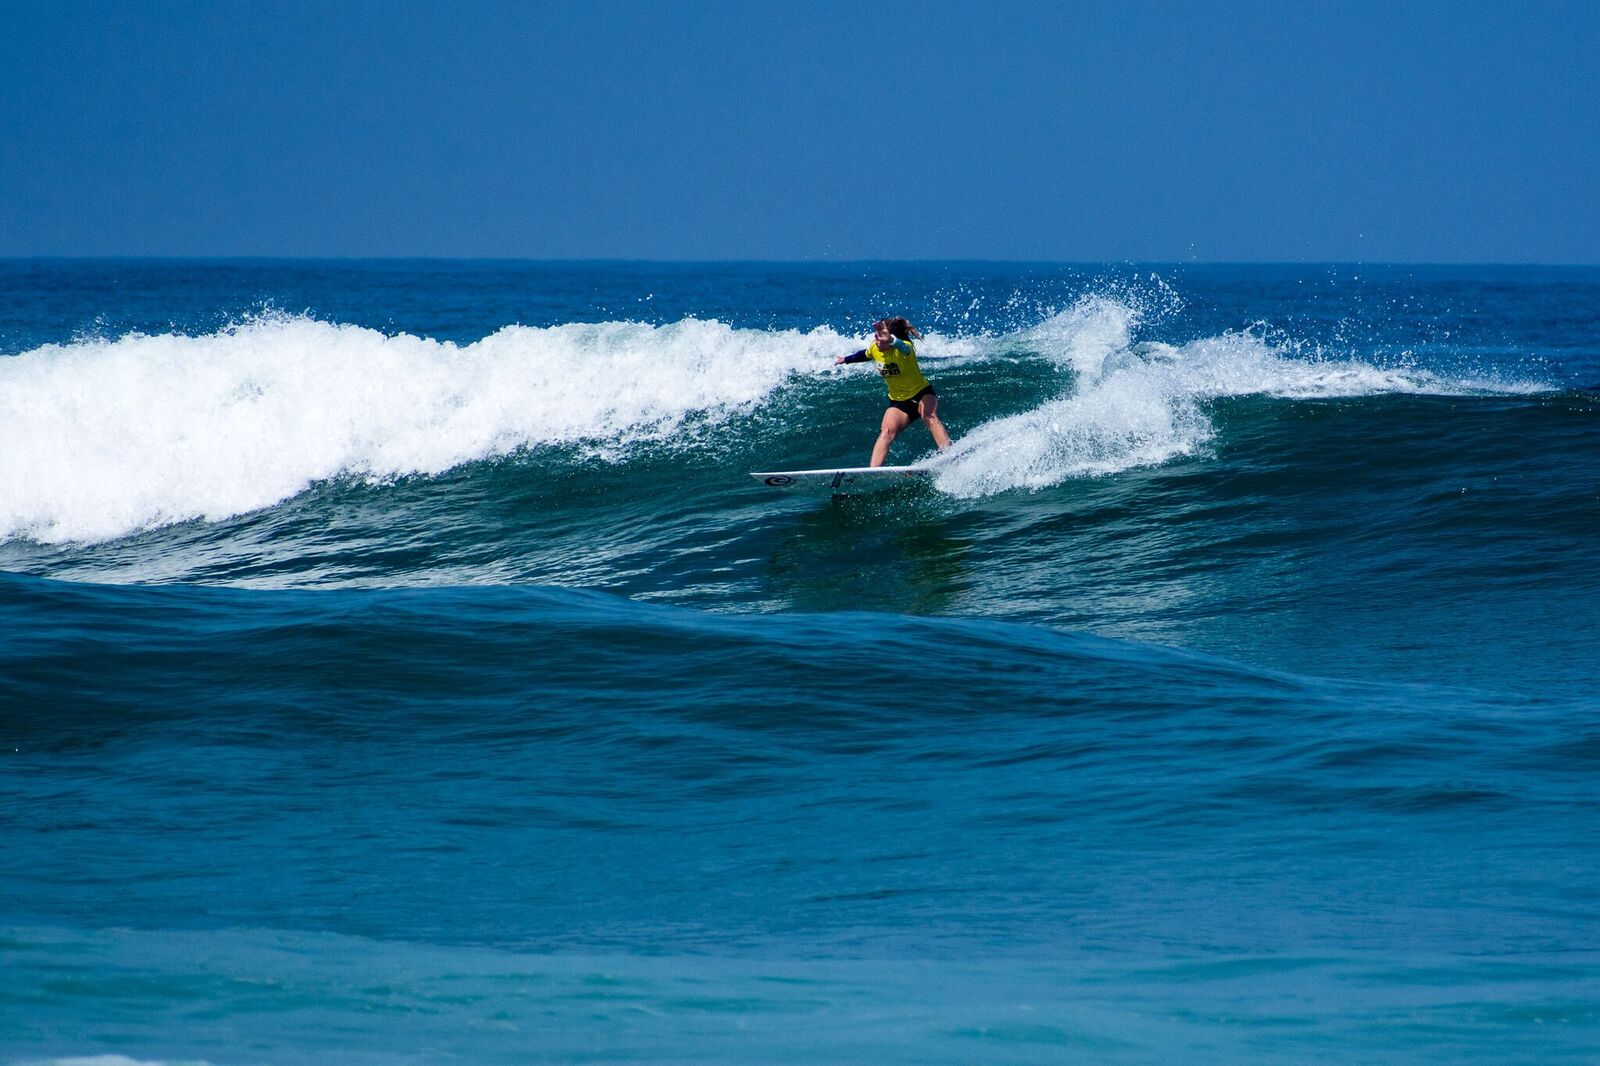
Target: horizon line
(574, 260)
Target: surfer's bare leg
(894, 420)
(928, 407)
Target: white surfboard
(856, 478)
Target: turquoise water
(400, 666)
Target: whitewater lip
(106, 437)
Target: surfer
(910, 395)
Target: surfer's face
(881, 336)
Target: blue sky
(1102, 132)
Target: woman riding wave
(910, 395)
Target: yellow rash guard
(899, 368)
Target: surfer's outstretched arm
(853, 357)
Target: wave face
(398, 656)
(1126, 462)
(104, 438)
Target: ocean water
(397, 665)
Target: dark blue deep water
(398, 666)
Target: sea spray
(1125, 403)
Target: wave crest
(102, 438)
(1128, 403)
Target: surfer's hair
(899, 327)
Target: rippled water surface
(397, 664)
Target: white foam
(102, 438)
(1129, 404)
(1084, 336)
